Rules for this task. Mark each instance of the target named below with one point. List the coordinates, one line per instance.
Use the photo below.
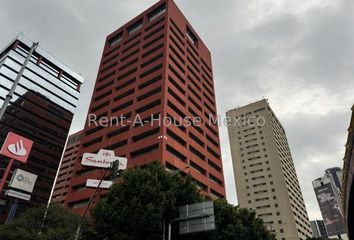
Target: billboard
(16, 147)
(197, 217)
(103, 159)
(330, 210)
(23, 180)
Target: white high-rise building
(265, 175)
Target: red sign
(16, 147)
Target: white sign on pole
(23, 180)
(94, 183)
(15, 194)
(123, 162)
(103, 159)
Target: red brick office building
(154, 67)
(67, 167)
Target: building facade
(348, 180)
(155, 76)
(66, 167)
(329, 199)
(41, 110)
(265, 175)
(318, 229)
(336, 175)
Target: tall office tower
(318, 229)
(336, 176)
(154, 68)
(41, 110)
(329, 199)
(67, 167)
(348, 180)
(265, 175)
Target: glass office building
(41, 109)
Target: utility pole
(89, 204)
(17, 80)
(174, 173)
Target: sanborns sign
(16, 147)
(23, 180)
(103, 159)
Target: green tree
(136, 205)
(233, 223)
(60, 224)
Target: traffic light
(114, 169)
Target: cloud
(298, 54)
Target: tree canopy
(60, 224)
(136, 206)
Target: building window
(135, 27)
(176, 153)
(197, 168)
(192, 37)
(145, 150)
(80, 204)
(115, 40)
(157, 12)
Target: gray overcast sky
(298, 54)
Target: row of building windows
(193, 82)
(194, 64)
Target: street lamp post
(174, 173)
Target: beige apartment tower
(265, 175)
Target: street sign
(94, 183)
(16, 194)
(23, 180)
(16, 147)
(103, 159)
(198, 217)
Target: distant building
(348, 180)
(265, 175)
(318, 229)
(41, 110)
(336, 174)
(329, 199)
(67, 167)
